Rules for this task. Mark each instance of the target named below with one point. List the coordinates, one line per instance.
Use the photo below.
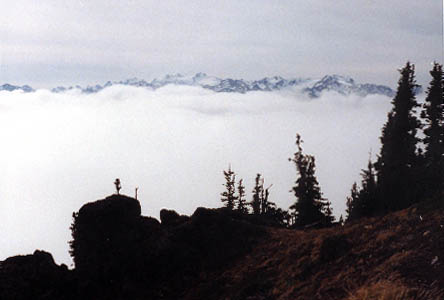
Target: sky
(51, 42)
(60, 151)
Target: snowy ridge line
(312, 87)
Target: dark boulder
(172, 218)
(35, 276)
(106, 242)
(115, 249)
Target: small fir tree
(241, 202)
(257, 191)
(352, 210)
(118, 186)
(265, 204)
(228, 196)
(361, 202)
(309, 206)
(367, 194)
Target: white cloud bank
(59, 151)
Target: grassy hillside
(399, 256)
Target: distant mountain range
(312, 87)
(9, 87)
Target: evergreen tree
(309, 206)
(352, 210)
(262, 197)
(265, 204)
(278, 216)
(367, 194)
(228, 196)
(257, 191)
(283, 217)
(433, 113)
(118, 186)
(397, 162)
(241, 202)
(361, 203)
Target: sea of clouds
(60, 151)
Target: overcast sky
(46, 43)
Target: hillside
(399, 256)
(218, 254)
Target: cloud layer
(60, 151)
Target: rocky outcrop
(35, 276)
(172, 218)
(119, 253)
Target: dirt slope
(399, 256)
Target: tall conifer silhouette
(433, 113)
(397, 162)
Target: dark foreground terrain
(219, 254)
